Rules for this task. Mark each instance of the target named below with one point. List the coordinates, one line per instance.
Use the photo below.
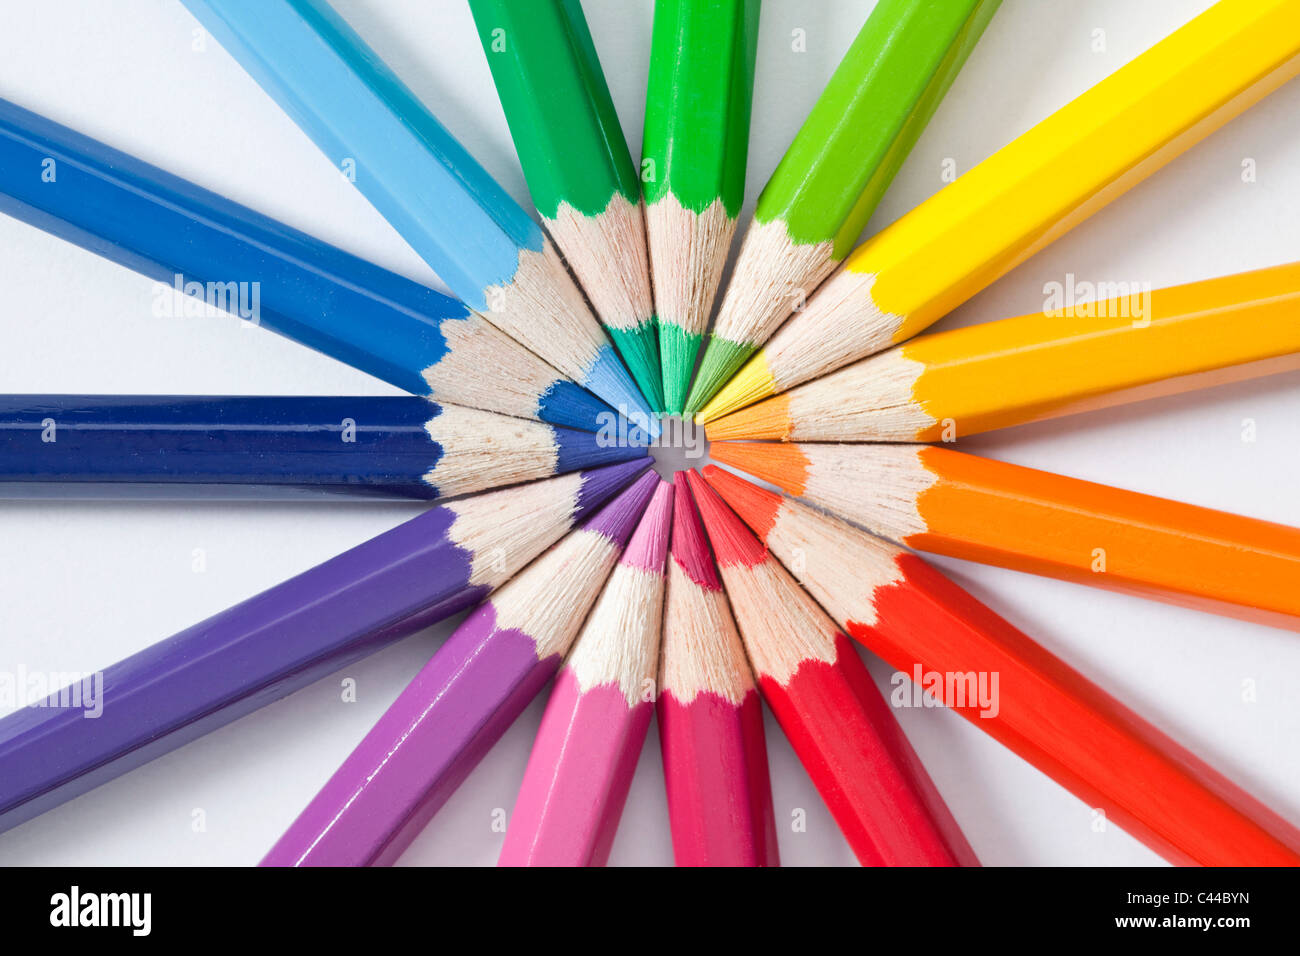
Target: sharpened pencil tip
(609, 379)
(785, 466)
(751, 384)
(639, 348)
(677, 351)
(722, 358)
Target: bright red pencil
(841, 728)
(710, 715)
(1048, 713)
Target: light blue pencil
(465, 226)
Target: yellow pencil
(1030, 192)
(1052, 363)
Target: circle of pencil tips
(535, 390)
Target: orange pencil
(926, 627)
(948, 502)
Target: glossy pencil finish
(844, 733)
(948, 502)
(219, 253)
(1036, 189)
(575, 158)
(710, 715)
(1046, 712)
(423, 181)
(590, 738)
(1047, 364)
(268, 646)
(838, 167)
(461, 702)
(693, 157)
(172, 446)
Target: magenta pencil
(461, 702)
(710, 714)
(581, 767)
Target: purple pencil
(461, 702)
(264, 648)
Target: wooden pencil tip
(785, 466)
(751, 384)
(769, 419)
(756, 506)
(690, 547)
(733, 543)
(722, 358)
(649, 545)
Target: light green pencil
(836, 170)
(693, 166)
(577, 164)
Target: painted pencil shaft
(838, 167)
(575, 158)
(590, 738)
(1044, 365)
(694, 151)
(174, 446)
(1033, 191)
(1042, 709)
(224, 256)
(844, 733)
(461, 702)
(710, 716)
(948, 502)
(423, 181)
(282, 639)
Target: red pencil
(710, 715)
(1051, 715)
(841, 728)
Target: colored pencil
(1046, 712)
(576, 161)
(222, 254)
(1044, 365)
(461, 702)
(839, 165)
(76, 446)
(842, 730)
(1032, 191)
(581, 766)
(268, 646)
(710, 716)
(468, 229)
(948, 502)
(693, 156)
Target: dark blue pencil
(92, 446)
(229, 256)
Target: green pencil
(577, 164)
(838, 167)
(693, 165)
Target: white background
(85, 584)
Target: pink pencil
(587, 747)
(710, 714)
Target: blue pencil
(78, 446)
(222, 253)
(456, 216)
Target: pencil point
(722, 358)
(756, 506)
(639, 348)
(785, 466)
(751, 384)
(677, 350)
(571, 406)
(609, 379)
(768, 419)
(733, 543)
